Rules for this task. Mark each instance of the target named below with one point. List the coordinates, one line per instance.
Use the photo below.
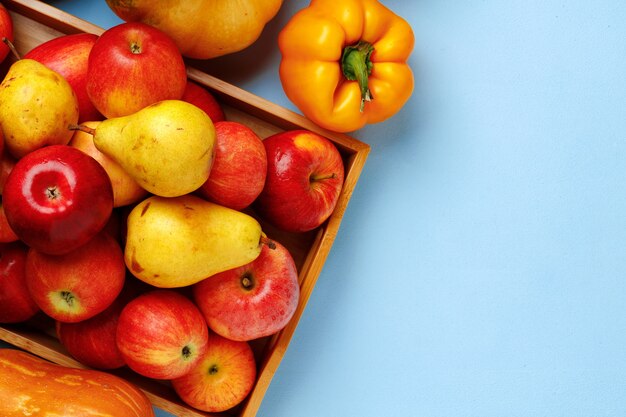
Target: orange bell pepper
(344, 62)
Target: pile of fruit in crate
(132, 209)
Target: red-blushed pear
(162, 334)
(6, 31)
(16, 303)
(57, 198)
(305, 175)
(68, 55)
(92, 341)
(131, 66)
(203, 99)
(80, 284)
(239, 169)
(6, 233)
(125, 189)
(254, 300)
(222, 379)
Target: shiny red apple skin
(222, 378)
(203, 99)
(6, 31)
(239, 168)
(254, 300)
(16, 303)
(68, 55)
(131, 66)
(162, 334)
(80, 284)
(305, 174)
(92, 341)
(57, 198)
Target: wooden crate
(36, 22)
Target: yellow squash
(344, 62)
(31, 386)
(202, 29)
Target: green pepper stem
(357, 66)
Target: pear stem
(267, 241)
(82, 128)
(11, 47)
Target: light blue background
(479, 270)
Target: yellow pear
(36, 107)
(167, 147)
(178, 241)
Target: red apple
(92, 341)
(222, 378)
(304, 179)
(68, 55)
(16, 303)
(131, 66)
(6, 233)
(6, 31)
(57, 198)
(7, 162)
(254, 300)
(125, 189)
(202, 98)
(239, 168)
(162, 334)
(80, 284)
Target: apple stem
(82, 128)
(186, 352)
(247, 281)
(267, 241)
(11, 47)
(68, 297)
(52, 193)
(323, 177)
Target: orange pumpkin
(30, 385)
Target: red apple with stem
(162, 334)
(68, 55)
(305, 175)
(203, 99)
(80, 284)
(131, 66)
(254, 300)
(6, 31)
(222, 379)
(16, 303)
(239, 168)
(57, 198)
